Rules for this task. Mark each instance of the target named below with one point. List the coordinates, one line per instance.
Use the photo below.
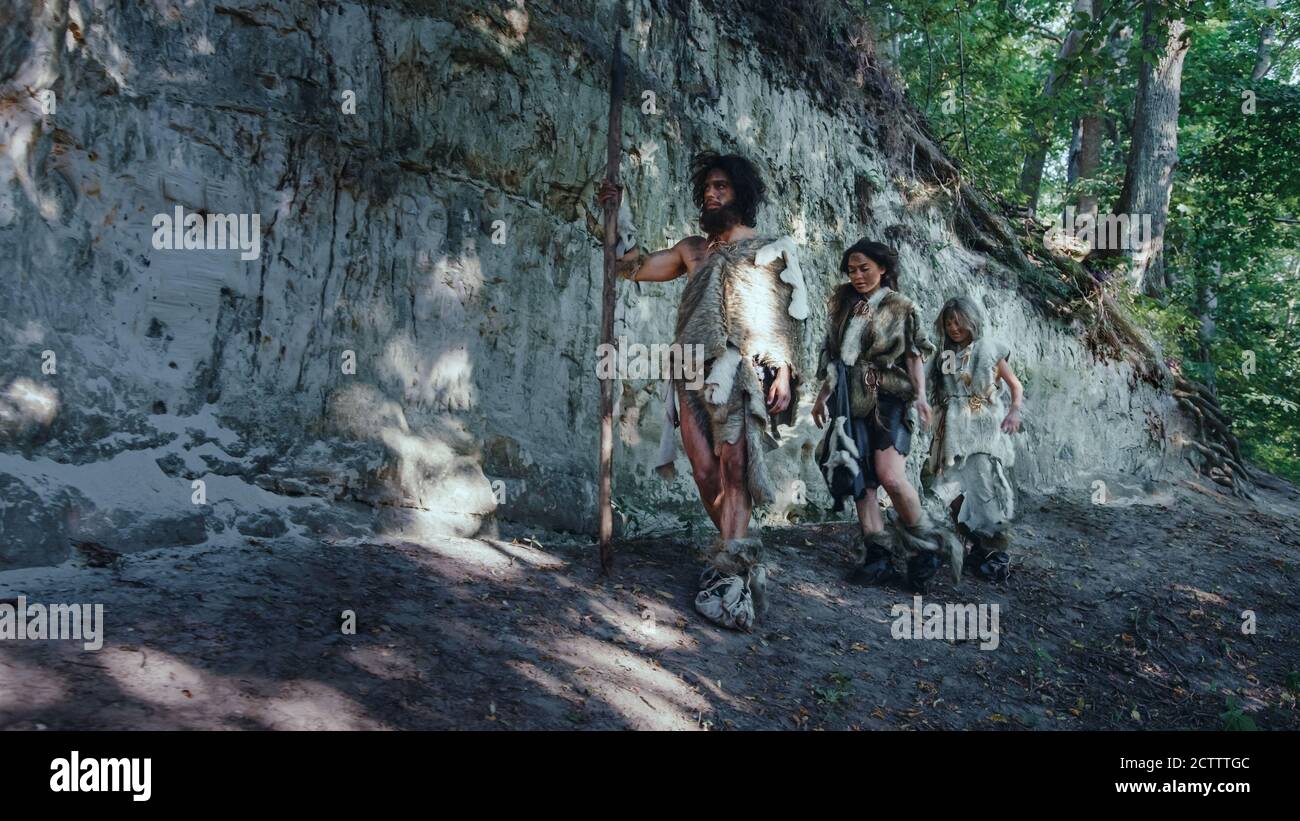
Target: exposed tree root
(1219, 450)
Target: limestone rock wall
(413, 348)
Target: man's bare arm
(660, 266)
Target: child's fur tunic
(970, 408)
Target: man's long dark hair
(745, 181)
(845, 296)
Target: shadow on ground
(1117, 616)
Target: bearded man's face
(719, 211)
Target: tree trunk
(1208, 302)
(1031, 175)
(1072, 162)
(1153, 150)
(1263, 54)
(1091, 130)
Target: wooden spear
(613, 144)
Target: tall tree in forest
(1031, 175)
(1090, 128)
(1230, 232)
(1153, 148)
(1264, 54)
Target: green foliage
(1293, 682)
(1234, 719)
(838, 689)
(1232, 244)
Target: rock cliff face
(412, 348)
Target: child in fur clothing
(972, 448)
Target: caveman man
(743, 301)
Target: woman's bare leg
(869, 514)
(891, 470)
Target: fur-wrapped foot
(989, 559)
(996, 567)
(733, 587)
(992, 565)
(920, 570)
(874, 566)
(927, 537)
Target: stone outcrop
(413, 347)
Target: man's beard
(718, 220)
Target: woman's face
(955, 331)
(864, 273)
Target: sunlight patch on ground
(656, 631)
(482, 560)
(310, 705)
(531, 556)
(544, 680)
(645, 694)
(383, 662)
(25, 687)
(157, 677)
(161, 679)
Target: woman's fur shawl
(895, 330)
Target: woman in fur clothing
(871, 364)
(971, 448)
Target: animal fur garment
(668, 437)
(881, 540)
(740, 312)
(843, 440)
(726, 601)
(733, 301)
(733, 586)
(842, 451)
(838, 454)
(882, 338)
(988, 501)
(970, 406)
(721, 377)
(734, 557)
(840, 458)
(792, 274)
(925, 535)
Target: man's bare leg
(704, 465)
(736, 504)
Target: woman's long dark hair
(845, 296)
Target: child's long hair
(968, 316)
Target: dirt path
(1117, 617)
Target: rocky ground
(1118, 616)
